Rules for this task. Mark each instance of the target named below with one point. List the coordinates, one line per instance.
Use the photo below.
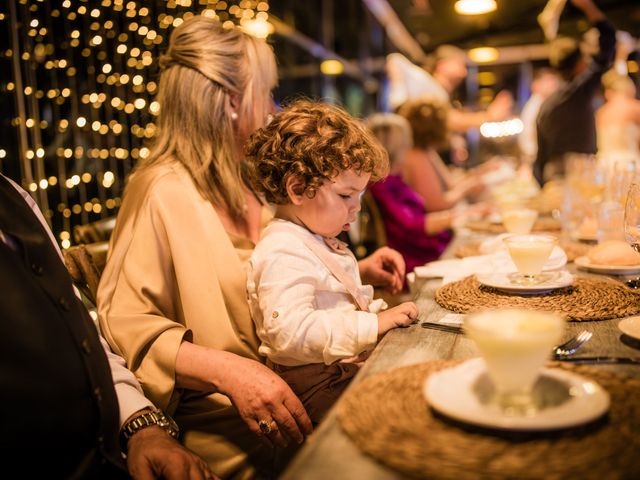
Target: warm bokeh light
(483, 54)
(475, 7)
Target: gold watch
(147, 419)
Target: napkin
(498, 261)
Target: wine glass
(632, 224)
(632, 217)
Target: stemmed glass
(632, 224)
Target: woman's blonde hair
(203, 67)
(393, 132)
(314, 141)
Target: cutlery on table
(443, 327)
(570, 346)
(603, 360)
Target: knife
(601, 360)
(442, 327)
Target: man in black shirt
(566, 122)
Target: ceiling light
(332, 67)
(483, 54)
(475, 7)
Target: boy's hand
(401, 315)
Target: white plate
(500, 281)
(565, 399)
(630, 326)
(585, 264)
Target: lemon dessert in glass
(529, 254)
(514, 344)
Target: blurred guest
(545, 82)
(419, 236)
(566, 122)
(618, 120)
(71, 408)
(423, 169)
(443, 72)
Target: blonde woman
(172, 299)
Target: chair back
(85, 264)
(93, 232)
(371, 231)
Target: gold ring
(265, 426)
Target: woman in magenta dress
(419, 236)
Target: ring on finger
(265, 426)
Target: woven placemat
(586, 299)
(544, 224)
(388, 418)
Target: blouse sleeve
(138, 311)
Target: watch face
(169, 424)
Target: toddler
(314, 317)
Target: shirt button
(86, 346)
(98, 393)
(37, 269)
(275, 314)
(64, 303)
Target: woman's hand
(258, 394)
(266, 403)
(383, 268)
(152, 453)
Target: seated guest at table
(62, 387)
(172, 298)
(423, 169)
(419, 236)
(315, 318)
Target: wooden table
(329, 453)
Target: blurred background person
(618, 119)
(443, 72)
(566, 122)
(545, 82)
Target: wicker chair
(98, 231)
(85, 264)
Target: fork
(570, 346)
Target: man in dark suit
(69, 408)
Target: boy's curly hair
(314, 141)
(428, 119)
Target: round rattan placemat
(388, 418)
(586, 299)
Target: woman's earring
(234, 116)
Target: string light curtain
(78, 80)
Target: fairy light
(107, 120)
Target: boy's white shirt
(302, 313)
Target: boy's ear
(295, 189)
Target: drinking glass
(514, 344)
(632, 217)
(519, 220)
(583, 191)
(619, 171)
(529, 253)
